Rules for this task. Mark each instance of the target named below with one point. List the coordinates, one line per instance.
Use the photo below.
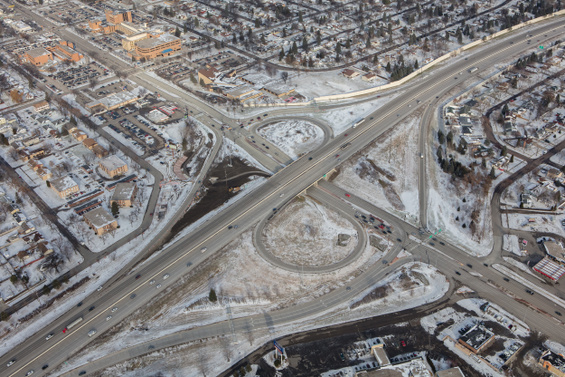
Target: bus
(72, 324)
(358, 122)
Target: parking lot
(109, 42)
(74, 77)
(65, 12)
(174, 71)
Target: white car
(114, 310)
(166, 276)
(158, 286)
(152, 282)
(108, 318)
(49, 336)
(99, 289)
(30, 373)
(11, 362)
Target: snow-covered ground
(510, 243)
(294, 136)
(306, 225)
(534, 222)
(386, 173)
(188, 360)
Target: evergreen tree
(212, 296)
(115, 209)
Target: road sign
(278, 347)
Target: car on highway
(137, 276)
(348, 195)
(114, 310)
(469, 265)
(166, 276)
(11, 362)
(458, 273)
(337, 155)
(189, 264)
(108, 318)
(345, 135)
(45, 366)
(158, 286)
(558, 313)
(49, 336)
(529, 291)
(30, 372)
(133, 295)
(203, 249)
(91, 308)
(82, 373)
(505, 279)
(152, 282)
(79, 304)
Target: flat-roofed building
(476, 339)
(451, 372)
(100, 221)
(155, 47)
(128, 43)
(553, 362)
(113, 101)
(117, 17)
(113, 166)
(64, 186)
(128, 28)
(65, 51)
(37, 56)
(208, 76)
(124, 194)
(41, 106)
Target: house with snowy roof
(100, 221)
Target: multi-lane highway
(131, 292)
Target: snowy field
(535, 223)
(386, 173)
(190, 360)
(293, 137)
(306, 225)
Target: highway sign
(278, 347)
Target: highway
(129, 293)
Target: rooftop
(112, 163)
(124, 191)
(550, 268)
(99, 217)
(37, 52)
(477, 336)
(113, 99)
(451, 372)
(63, 183)
(554, 359)
(154, 42)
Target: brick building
(100, 221)
(41, 106)
(113, 166)
(476, 339)
(155, 47)
(124, 194)
(37, 56)
(64, 186)
(553, 362)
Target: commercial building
(553, 362)
(64, 186)
(99, 26)
(117, 17)
(41, 106)
(113, 166)
(128, 28)
(113, 101)
(451, 372)
(550, 268)
(65, 51)
(208, 76)
(124, 194)
(128, 43)
(100, 221)
(37, 56)
(155, 47)
(476, 339)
